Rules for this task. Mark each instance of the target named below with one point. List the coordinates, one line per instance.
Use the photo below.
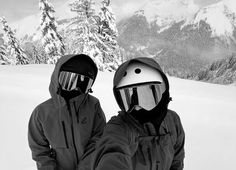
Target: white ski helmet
(141, 87)
(137, 73)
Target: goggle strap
(90, 83)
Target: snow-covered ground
(207, 111)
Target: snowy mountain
(182, 36)
(167, 12)
(220, 17)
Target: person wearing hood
(145, 135)
(63, 130)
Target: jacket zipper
(72, 131)
(150, 158)
(65, 136)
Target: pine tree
(83, 29)
(82, 25)
(17, 54)
(84, 8)
(3, 55)
(37, 56)
(89, 32)
(108, 33)
(3, 52)
(51, 39)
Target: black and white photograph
(117, 84)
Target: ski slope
(207, 111)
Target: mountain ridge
(183, 47)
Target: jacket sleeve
(39, 145)
(112, 150)
(98, 126)
(178, 161)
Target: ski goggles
(147, 95)
(73, 81)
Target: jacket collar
(147, 129)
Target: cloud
(231, 4)
(124, 8)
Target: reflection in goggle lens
(146, 95)
(73, 81)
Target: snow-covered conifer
(38, 55)
(84, 8)
(89, 32)
(82, 31)
(108, 34)
(16, 53)
(3, 52)
(51, 39)
(108, 20)
(3, 55)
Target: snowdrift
(207, 111)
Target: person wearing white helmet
(145, 135)
(143, 83)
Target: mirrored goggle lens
(146, 96)
(71, 81)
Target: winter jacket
(62, 134)
(129, 145)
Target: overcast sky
(17, 9)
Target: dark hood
(148, 61)
(54, 84)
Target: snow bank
(207, 111)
